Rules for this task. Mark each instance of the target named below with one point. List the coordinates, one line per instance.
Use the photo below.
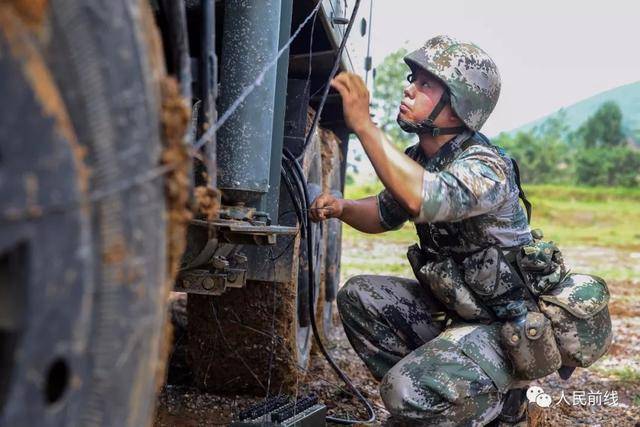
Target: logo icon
(536, 395)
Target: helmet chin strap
(428, 126)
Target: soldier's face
(420, 96)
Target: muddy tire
(82, 246)
(255, 340)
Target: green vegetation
(624, 373)
(599, 152)
(579, 216)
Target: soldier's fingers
(347, 79)
(359, 86)
(363, 87)
(321, 201)
(356, 85)
(340, 86)
(314, 212)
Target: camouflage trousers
(430, 374)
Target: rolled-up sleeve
(474, 184)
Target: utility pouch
(491, 277)
(530, 345)
(577, 308)
(541, 265)
(444, 280)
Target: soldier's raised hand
(355, 100)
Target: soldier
(436, 364)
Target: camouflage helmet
(467, 71)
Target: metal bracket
(244, 232)
(217, 267)
(204, 282)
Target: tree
(542, 153)
(603, 128)
(389, 83)
(608, 166)
(555, 127)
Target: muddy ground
(611, 387)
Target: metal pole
(250, 41)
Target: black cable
(336, 65)
(296, 173)
(294, 199)
(295, 170)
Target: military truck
(131, 165)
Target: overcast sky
(550, 53)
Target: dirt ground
(606, 394)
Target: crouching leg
(457, 379)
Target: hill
(627, 97)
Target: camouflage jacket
(469, 199)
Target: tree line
(597, 153)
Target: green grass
(624, 373)
(614, 273)
(576, 216)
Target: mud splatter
(331, 157)
(116, 253)
(174, 118)
(153, 41)
(207, 202)
(32, 12)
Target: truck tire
(240, 343)
(82, 242)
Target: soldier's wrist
(364, 128)
(343, 206)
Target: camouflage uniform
(478, 263)
(432, 373)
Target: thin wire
(257, 82)
(366, 77)
(313, 27)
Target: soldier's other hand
(355, 100)
(325, 206)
